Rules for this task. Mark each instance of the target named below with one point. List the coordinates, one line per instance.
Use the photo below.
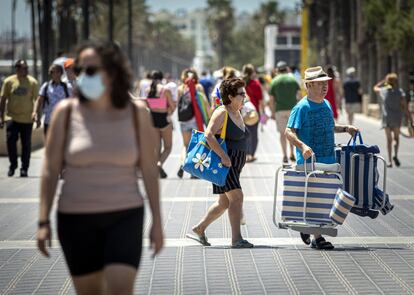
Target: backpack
(185, 108)
(65, 88)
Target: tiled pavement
(371, 257)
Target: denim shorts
(188, 126)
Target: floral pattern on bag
(201, 161)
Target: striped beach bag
(321, 192)
(341, 207)
(359, 169)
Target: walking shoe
(242, 244)
(396, 161)
(11, 172)
(321, 244)
(365, 212)
(180, 172)
(162, 173)
(23, 173)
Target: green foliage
(166, 39)
(247, 42)
(390, 21)
(220, 21)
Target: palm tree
(111, 20)
(85, 25)
(221, 22)
(34, 47)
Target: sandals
(396, 161)
(241, 244)
(163, 174)
(305, 238)
(180, 172)
(201, 239)
(321, 244)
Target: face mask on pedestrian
(91, 85)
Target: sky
(23, 10)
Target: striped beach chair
(359, 169)
(303, 200)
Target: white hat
(350, 71)
(315, 74)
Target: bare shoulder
(140, 104)
(219, 113)
(65, 105)
(199, 87)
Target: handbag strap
(135, 117)
(354, 138)
(66, 129)
(224, 129)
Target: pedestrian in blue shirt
(311, 129)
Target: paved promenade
(371, 256)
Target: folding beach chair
(303, 199)
(359, 169)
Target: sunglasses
(241, 93)
(90, 70)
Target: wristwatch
(43, 223)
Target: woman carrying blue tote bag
(227, 136)
(203, 162)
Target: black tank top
(236, 139)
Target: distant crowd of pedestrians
(102, 131)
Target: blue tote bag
(203, 162)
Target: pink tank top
(158, 102)
(101, 155)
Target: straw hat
(315, 74)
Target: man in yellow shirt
(18, 94)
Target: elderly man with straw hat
(311, 129)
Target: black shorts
(92, 241)
(160, 120)
(238, 160)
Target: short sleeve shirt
(351, 91)
(55, 93)
(21, 95)
(284, 88)
(314, 124)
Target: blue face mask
(91, 86)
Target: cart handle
(313, 160)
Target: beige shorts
(352, 108)
(282, 118)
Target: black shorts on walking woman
(238, 159)
(92, 241)
(236, 142)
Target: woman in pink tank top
(162, 105)
(100, 208)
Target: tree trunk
(382, 62)
(332, 32)
(13, 31)
(372, 70)
(34, 45)
(403, 56)
(111, 20)
(85, 25)
(130, 31)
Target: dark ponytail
(156, 77)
